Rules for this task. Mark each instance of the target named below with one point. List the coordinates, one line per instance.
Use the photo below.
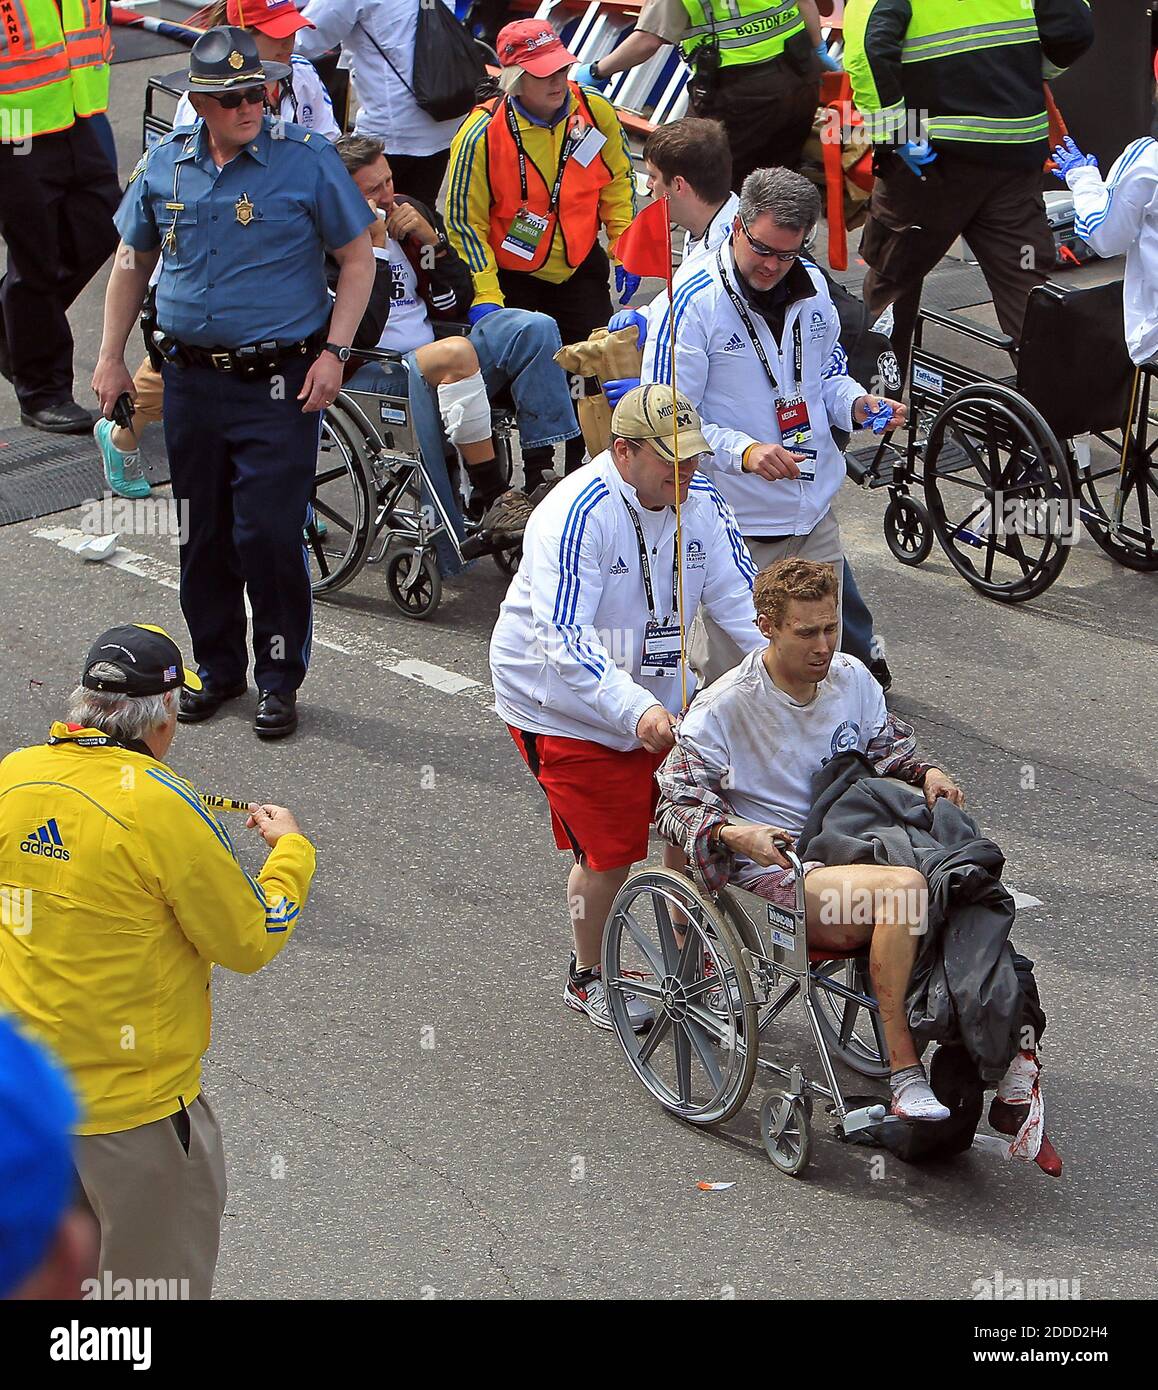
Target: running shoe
(123, 471)
(584, 992)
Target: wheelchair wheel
(508, 560)
(339, 533)
(786, 1128)
(998, 490)
(851, 1032)
(693, 1059)
(1125, 527)
(908, 533)
(413, 583)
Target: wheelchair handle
(786, 848)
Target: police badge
(244, 209)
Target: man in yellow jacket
(534, 175)
(58, 193)
(119, 891)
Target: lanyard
(100, 740)
(564, 155)
(797, 344)
(645, 566)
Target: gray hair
(119, 716)
(792, 202)
(357, 151)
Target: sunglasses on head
(769, 251)
(252, 96)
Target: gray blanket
(964, 988)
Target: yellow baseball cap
(647, 412)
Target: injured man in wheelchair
(796, 743)
(450, 381)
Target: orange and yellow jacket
(119, 891)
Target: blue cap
(37, 1113)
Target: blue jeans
(857, 635)
(515, 350)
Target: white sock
(1016, 1086)
(913, 1097)
(465, 410)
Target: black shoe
(66, 417)
(277, 715)
(196, 705)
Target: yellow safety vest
(54, 65)
(746, 31)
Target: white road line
(329, 632)
(336, 636)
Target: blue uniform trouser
(857, 633)
(242, 458)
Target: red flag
(645, 247)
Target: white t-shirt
(408, 326)
(766, 747)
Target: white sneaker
(585, 992)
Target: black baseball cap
(146, 658)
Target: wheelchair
(1007, 464)
(741, 963)
(373, 503)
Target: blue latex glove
(480, 311)
(586, 78)
(916, 154)
(880, 417)
(831, 63)
(614, 390)
(1067, 156)
(626, 284)
(624, 318)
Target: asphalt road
(408, 1108)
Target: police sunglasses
(769, 251)
(253, 96)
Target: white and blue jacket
(1121, 215)
(566, 650)
(718, 371)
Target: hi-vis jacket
(1122, 215)
(54, 65)
(118, 892)
(566, 651)
(970, 74)
(485, 191)
(717, 368)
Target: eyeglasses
(252, 96)
(769, 251)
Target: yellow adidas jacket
(469, 196)
(118, 893)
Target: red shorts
(602, 801)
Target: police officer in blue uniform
(241, 212)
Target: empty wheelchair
(718, 973)
(1010, 467)
(374, 503)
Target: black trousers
(767, 110)
(57, 199)
(911, 224)
(578, 305)
(242, 458)
(419, 175)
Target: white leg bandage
(465, 410)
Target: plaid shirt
(692, 804)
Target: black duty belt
(253, 361)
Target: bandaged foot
(1018, 1109)
(1017, 1084)
(465, 410)
(913, 1097)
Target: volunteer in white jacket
(378, 35)
(757, 349)
(1121, 215)
(302, 97)
(585, 654)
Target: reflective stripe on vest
(989, 130)
(746, 31)
(577, 219)
(919, 49)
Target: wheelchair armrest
(379, 355)
(449, 330)
(966, 326)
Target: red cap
(533, 45)
(277, 18)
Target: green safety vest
(746, 31)
(54, 65)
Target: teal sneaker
(122, 470)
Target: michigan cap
(647, 413)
